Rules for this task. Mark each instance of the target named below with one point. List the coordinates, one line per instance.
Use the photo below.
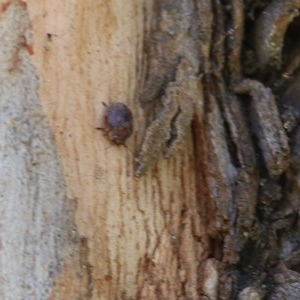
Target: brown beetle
(117, 123)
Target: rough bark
(213, 87)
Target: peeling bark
(215, 80)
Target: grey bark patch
(33, 230)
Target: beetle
(118, 123)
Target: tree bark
(212, 86)
(90, 52)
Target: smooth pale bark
(136, 236)
(35, 232)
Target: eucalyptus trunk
(201, 201)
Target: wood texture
(218, 220)
(35, 230)
(138, 232)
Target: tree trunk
(202, 202)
